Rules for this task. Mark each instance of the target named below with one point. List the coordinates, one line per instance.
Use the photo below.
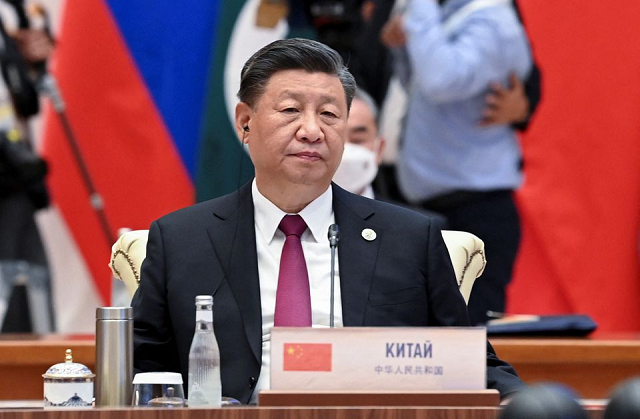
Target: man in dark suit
(393, 266)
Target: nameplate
(378, 358)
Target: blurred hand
(506, 105)
(34, 44)
(367, 10)
(392, 33)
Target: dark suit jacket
(210, 248)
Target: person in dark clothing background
(22, 177)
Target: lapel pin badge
(369, 235)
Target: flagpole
(49, 87)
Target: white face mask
(357, 169)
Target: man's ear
(243, 116)
(382, 143)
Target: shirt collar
(368, 192)
(317, 214)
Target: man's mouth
(308, 155)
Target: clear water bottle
(205, 388)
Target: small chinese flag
(307, 357)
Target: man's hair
(368, 100)
(292, 54)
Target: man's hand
(392, 33)
(506, 105)
(34, 44)
(367, 9)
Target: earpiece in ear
(245, 130)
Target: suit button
(252, 382)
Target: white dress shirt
(315, 244)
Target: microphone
(334, 238)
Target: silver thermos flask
(114, 356)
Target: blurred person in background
(363, 148)
(351, 27)
(22, 173)
(459, 157)
(363, 154)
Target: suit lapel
(357, 256)
(233, 238)
(234, 241)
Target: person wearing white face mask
(363, 154)
(363, 148)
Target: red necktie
(293, 298)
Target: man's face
(362, 128)
(296, 129)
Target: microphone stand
(334, 238)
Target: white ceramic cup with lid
(68, 384)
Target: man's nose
(310, 130)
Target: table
(590, 366)
(24, 358)
(268, 413)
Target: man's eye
(290, 110)
(329, 113)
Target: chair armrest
(466, 251)
(127, 254)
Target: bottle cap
(114, 313)
(204, 299)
